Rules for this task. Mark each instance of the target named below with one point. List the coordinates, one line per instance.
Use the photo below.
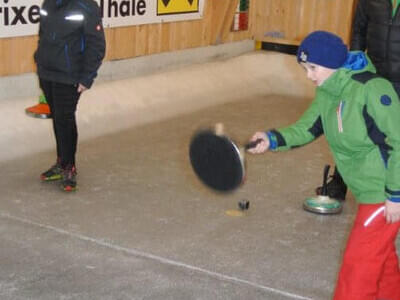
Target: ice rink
(141, 225)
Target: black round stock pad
(216, 161)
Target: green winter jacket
(359, 114)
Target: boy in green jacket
(359, 114)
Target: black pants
(63, 100)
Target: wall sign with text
(21, 17)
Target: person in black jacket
(376, 30)
(70, 50)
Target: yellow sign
(169, 7)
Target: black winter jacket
(377, 32)
(71, 43)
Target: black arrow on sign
(166, 2)
(191, 2)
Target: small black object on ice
(244, 204)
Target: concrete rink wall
(151, 94)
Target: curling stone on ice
(323, 204)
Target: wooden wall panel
(128, 42)
(289, 21)
(280, 21)
(16, 55)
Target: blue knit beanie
(323, 48)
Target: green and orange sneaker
(68, 183)
(52, 174)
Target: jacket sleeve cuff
(394, 199)
(393, 196)
(276, 140)
(87, 81)
(273, 141)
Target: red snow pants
(370, 266)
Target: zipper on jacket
(389, 27)
(82, 43)
(388, 41)
(67, 57)
(339, 113)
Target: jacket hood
(356, 62)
